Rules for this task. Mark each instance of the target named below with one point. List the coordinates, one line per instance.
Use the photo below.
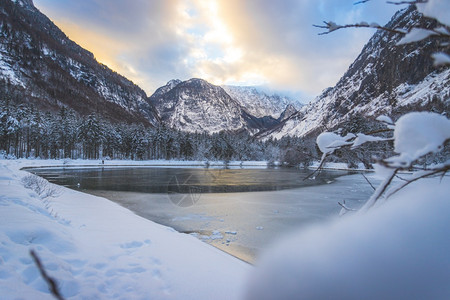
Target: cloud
(223, 41)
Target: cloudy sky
(240, 42)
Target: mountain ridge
(40, 65)
(384, 79)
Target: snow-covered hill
(260, 103)
(384, 79)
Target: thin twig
(401, 178)
(346, 207)
(370, 183)
(407, 2)
(52, 284)
(319, 168)
(379, 131)
(428, 174)
(333, 27)
(379, 191)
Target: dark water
(240, 211)
(182, 180)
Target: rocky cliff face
(41, 66)
(385, 79)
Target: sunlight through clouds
(223, 41)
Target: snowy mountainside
(197, 105)
(259, 103)
(40, 65)
(384, 79)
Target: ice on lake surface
(240, 211)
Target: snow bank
(97, 249)
(400, 250)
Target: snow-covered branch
(331, 26)
(434, 10)
(415, 135)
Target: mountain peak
(198, 82)
(197, 105)
(259, 102)
(173, 83)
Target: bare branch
(380, 190)
(345, 206)
(443, 170)
(401, 178)
(407, 2)
(319, 168)
(331, 26)
(52, 284)
(361, 2)
(370, 183)
(395, 2)
(380, 131)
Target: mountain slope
(384, 79)
(259, 103)
(196, 105)
(41, 66)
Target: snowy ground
(398, 250)
(98, 250)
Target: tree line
(26, 132)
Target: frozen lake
(239, 211)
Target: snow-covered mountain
(40, 65)
(260, 103)
(196, 105)
(385, 79)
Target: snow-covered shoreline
(27, 163)
(97, 249)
